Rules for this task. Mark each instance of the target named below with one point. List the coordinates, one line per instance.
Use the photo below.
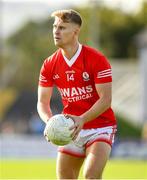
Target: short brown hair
(68, 16)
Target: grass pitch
(46, 169)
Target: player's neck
(70, 51)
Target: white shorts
(87, 137)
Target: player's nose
(56, 31)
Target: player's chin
(57, 43)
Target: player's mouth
(57, 38)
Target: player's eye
(61, 28)
(54, 26)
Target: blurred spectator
(36, 126)
(144, 132)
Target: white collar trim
(74, 58)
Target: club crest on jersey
(85, 76)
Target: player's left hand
(78, 124)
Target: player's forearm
(44, 111)
(97, 109)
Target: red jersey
(76, 79)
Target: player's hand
(45, 134)
(78, 124)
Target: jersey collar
(74, 58)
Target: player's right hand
(45, 134)
(78, 124)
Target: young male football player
(84, 78)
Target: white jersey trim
(105, 73)
(74, 58)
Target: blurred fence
(25, 146)
(130, 149)
(31, 146)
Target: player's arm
(102, 104)
(43, 104)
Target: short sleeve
(102, 70)
(45, 78)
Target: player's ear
(77, 30)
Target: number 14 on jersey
(70, 77)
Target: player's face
(64, 33)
